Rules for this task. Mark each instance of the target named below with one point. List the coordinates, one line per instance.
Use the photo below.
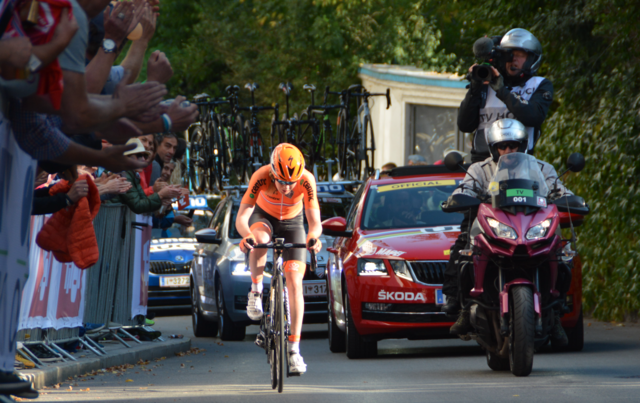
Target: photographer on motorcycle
(504, 137)
(514, 92)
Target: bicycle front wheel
(280, 335)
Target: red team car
(386, 266)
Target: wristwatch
(109, 46)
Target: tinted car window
(334, 207)
(200, 220)
(218, 221)
(353, 210)
(410, 204)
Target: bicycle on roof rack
(355, 138)
(253, 146)
(276, 320)
(316, 139)
(204, 160)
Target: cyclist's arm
(315, 224)
(242, 220)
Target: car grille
(166, 267)
(429, 272)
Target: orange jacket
(69, 233)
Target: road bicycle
(231, 128)
(316, 139)
(253, 144)
(355, 137)
(276, 320)
(205, 148)
(283, 131)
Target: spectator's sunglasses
(141, 156)
(285, 183)
(512, 145)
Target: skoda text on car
(220, 280)
(387, 264)
(170, 257)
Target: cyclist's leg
(258, 257)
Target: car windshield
(409, 205)
(201, 219)
(520, 166)
(329, 207)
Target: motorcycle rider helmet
(506, 130)
(522, 39)
(287, 163)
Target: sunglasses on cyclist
(285, 183)
(512, 145)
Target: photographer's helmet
(522, 39)
(506, 130)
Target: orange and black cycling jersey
(262, 190)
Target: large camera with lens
(488, 52)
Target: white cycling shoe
(296, 364)
(254, 306)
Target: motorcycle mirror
(453, 160)
(575, 162)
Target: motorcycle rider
(505, 137)
(515, 93)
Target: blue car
(220, 280)
(171, 254)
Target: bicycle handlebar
(274, 245)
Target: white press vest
(495, 109)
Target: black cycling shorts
(292, 230)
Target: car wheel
(229, 331)
(201, 326)
(337, 343)
(356, 346)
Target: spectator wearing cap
(135, 198)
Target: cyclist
(272, 206)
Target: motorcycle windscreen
(518, 181)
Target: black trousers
(452, 272)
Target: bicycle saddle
(201, 96)
(309, 87)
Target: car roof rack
(410, 170)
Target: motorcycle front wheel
(522, 320)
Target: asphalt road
(608, 369)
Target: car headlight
(240, 269)
(370, 267)
(400, 269)
(501, 230)
(539, 231)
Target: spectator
(386, 169)
(176, 176)
(167, 146)
(135, 198)
(416, 159)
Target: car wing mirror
(336, 226)
(575, 162)
(208, 235)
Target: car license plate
(441, 299)
(174, 281)
(313, 290)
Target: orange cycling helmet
(287, 163)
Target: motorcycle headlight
(370, 267)
(240, 269)
(400, 269)
(501, 230)
(538, 231)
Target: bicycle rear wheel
(216, 157)
(280, 335)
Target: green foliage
(590, 55)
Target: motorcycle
(517, 252)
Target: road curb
(59, 372)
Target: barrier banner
(54, 294)
(17, 171)
(142, 249)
